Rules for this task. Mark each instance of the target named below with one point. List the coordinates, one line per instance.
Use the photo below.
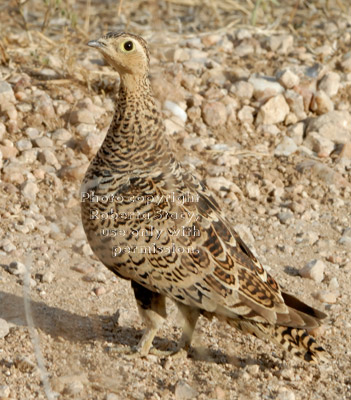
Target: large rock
(335, 126)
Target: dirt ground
(59, 324)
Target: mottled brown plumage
(152, 222)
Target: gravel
(263, 117)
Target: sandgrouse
(152, 222)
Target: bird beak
(96, 43)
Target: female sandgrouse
(150, 221)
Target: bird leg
(190, 316)
(152, 309)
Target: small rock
(8, 151)
(214, 113)
(6, 94)
(30, 190)
(314, 269)
(43, 141)
(285, 394)
(48, 277)
(319, 144)
(32, 133)
(284, 217)
(16, 268)
(330, 83)
(296, 132)
(333, 284)
(61, 135)
(24, 144)
(321, 103)
(288, 78)
(246, 114)
(281, 44)
(253, 190)
(5, 392)
(346, 62)
(326, 297)
(2, 131)
(265, 87)
(176, 110)
(82, 116)
(183, 391)
(43, 104)
(91, 143)
(112, 396)
(273, 111)
(99, 291)
(73, 387)
(296, 103)
(286, 147)
(242, 89)
(335, 126)
(4, 328)
(46, 156)
(7, 245)
(345, 151)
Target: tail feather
(295, 340)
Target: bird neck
(136, 137)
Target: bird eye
(128, 46)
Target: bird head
(125, 52)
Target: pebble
(334, 125)
(6, 94)
(321, 103)
(214, 113)
(61, 135)
(5, 392)
(4, 328)
(265, 87)
(7, 245)
(273, 111)
(253, 190)
(286, 147)
(184, 391)
(30, 190)
(23, 144)
(48, 277)
(326, 297)
(242, 89)
(46, 156)
(2, 131)
(43, 141)
(82, 116)
(296, 103)
(281, 44)
(284, 217)
(314, 269)
(112, 396)
(32, 133)
(288, 78)
(8, 151)
(346, 62)
(330, 83)
(285, 394)
(296, 132)
(176, 110)
(319, 144)
(16, 268)
(246, 114)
